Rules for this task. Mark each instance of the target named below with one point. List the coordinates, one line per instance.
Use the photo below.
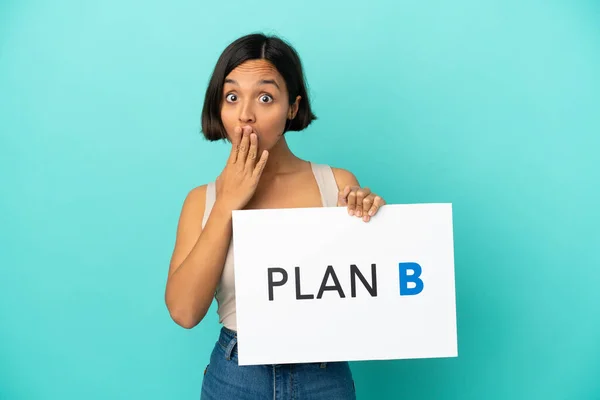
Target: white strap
(210, 201)
(327, 184)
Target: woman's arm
(199, 254)
(197, 261)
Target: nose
(247, 113)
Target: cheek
(228, 116)
(229, 120)
(275, 119)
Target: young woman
(256, 94)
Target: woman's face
(255, 94)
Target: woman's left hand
(361, 202)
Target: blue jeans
(224, 379)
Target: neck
(281, 160)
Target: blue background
(491, 105)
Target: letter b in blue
(414, 277)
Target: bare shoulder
(192, 210)
(344, 178)
(195, 197)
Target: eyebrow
(261, 82)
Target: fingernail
(350, 212)
(358, 213)
(371, 213)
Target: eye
(265, 98)
(231, 97)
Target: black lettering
(272, 283)
(300, 296)
(354, 271)
(337, 286)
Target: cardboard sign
(316, 285)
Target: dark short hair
(256, 46)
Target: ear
(294, 108)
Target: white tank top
(225, 293)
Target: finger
(243, 151)
(235, 141)
(260, 165)
(366, 204)
(252, 152)
(360, 195)
(378, 202)
(351, 199)
(343, 196)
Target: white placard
(366, 291)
